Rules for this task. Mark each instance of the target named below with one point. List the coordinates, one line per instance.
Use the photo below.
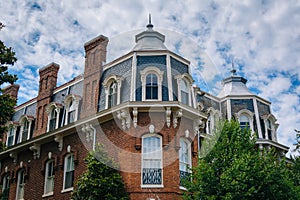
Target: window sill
(48, 194)
(152, 186)
(67, 190)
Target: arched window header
(53, 105)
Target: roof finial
(149, 26)
(233, 71)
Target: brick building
(142, 106)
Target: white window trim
(46, 177)
(65, 168)
(274, 126)
(68, 99)
(189, 80)
(29, 119)
(107, 82)
(49, 109)
(161, 163)
(248, 114)
(189, 157)
(14, 126)
(18, 184)
(213, 114)
(159, 74)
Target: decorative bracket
(87, 129)
(13, 155)
(198, 124)
(36, 148)
(59, 140)
(168, 116)
(124, 116)
(177, 115)
(135, 113)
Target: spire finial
(149, 26)
(233, 71)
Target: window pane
(69, 179)
(184, 160)
(152, 166)
(71, 116)
(10, 138)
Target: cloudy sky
(262, 37)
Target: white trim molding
(189, 80)
(107, 82)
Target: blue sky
(262, 37)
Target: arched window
(72, 104)
(5, 186)
(184, 92)
(212, 120)
(20, 184)
(25, 129)
(71, 112)
(113, 94)
(184, 82)
(49, 178)
(245, 118)
(69, 172)
(151, 78)
(244, 121)
(152, 160)
(10, 136)
(151, 86)
(184, 159)
(112, 85)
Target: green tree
(7, 104)
(234, 169)
(100, 181)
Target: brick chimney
(95, 57)
(48, 81)
(12, 90)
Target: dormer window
(71, 112)
(151, 87)
(212, 120)
(184, 92)
(72, 104)
(53, 118)
(113, 95)
(53, 111)
(11, 135)
(112, 85)
(270, 127)
(245, 118)
(184, 83)
(25, 122)
(151, 78)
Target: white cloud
(262, 36)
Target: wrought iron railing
(184, 176)
(152, 176)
